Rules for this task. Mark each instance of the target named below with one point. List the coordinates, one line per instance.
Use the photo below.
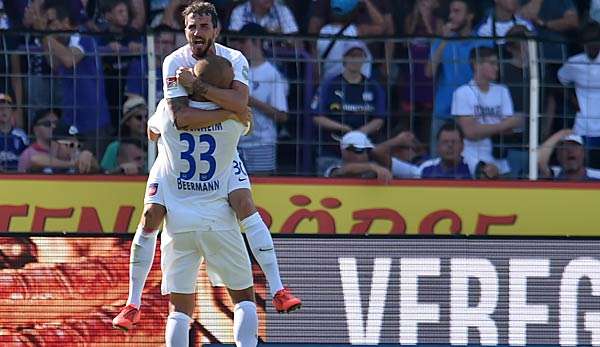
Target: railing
(409, 95)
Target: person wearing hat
(570, 154)
(349, 101)
(56, 148)
(275, 17)
(355, 147)
(119, 158)
(13, 141)
(268, 99)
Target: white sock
(143, 248)
(245, 324)
(262, 247)
(177, 330)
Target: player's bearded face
(200, 33)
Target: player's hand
(130, 168)
(84, 161)
(244, 117)
(186, 78)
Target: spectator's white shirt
(403, 169)
(333, 61)
(585, 74)
(269, 86)
(182, 57)
(486, 29)
(488, 108)
(278, 20)
(591, 173)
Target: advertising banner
(321, 206)
(359, 291)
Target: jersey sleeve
(154, 123)
(463, 102)
(280, 89)
(402, 169)
(240, 69)
(171, 88)
(507, 103)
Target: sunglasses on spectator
(357, 150)
(46, 123)
(69, 144)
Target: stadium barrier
(293, 205)
(356, 291)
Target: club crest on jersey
(171, 82)
(152, 189)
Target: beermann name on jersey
(198, 186)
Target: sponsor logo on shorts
(152, 189)
(171, 82)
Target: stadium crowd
(340, 88)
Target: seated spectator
(503, 17)
(583, 70)
(449, 64)
(75, 58)
(130, 158)
(11, 81)
(123, 46)
(56, 148)
(274, 17)
(355, 147)
(268, 99)
(484, 109)
(570, 154)
(13, 141)
(349, 101)
(133, 128)
(449, 164)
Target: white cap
(355, 139)
(352, 44)
(573, 138)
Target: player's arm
(186, 117)
(234, 99)
(152, 136)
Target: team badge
(152, 189)
(171, 82)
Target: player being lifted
(201, 31)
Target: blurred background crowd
(339, 88)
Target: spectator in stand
(484, 109)
(56, 148)
(355, 147)
(75, 57)
(501, 18)
(449, 64)
(133, 128)
(449, 164)
(570, 154)
(13, 141)
(274, 17)
(130, 158)
(583, 70)
(123, 45)
(349, 101)
(10, 64)
(268, 99)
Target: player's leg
(231, 263)
(259, 237)
(180, 262)
(141, 257)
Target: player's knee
(242, 203)
(152, 217)
(238, 296)
(183, 303)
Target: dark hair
(62, 9)
(202, 8)
(451, 126)
(479, 53)
(468, 3)
(131, 141)
(590, 32)
(39, 114)
(108, 5)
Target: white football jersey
(182, 57)
(196, 167)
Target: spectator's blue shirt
(352, 104)
(454, 70)
(137, 79)
(12, 144)
(461, 171)
(84, 98)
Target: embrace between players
(199, 186)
